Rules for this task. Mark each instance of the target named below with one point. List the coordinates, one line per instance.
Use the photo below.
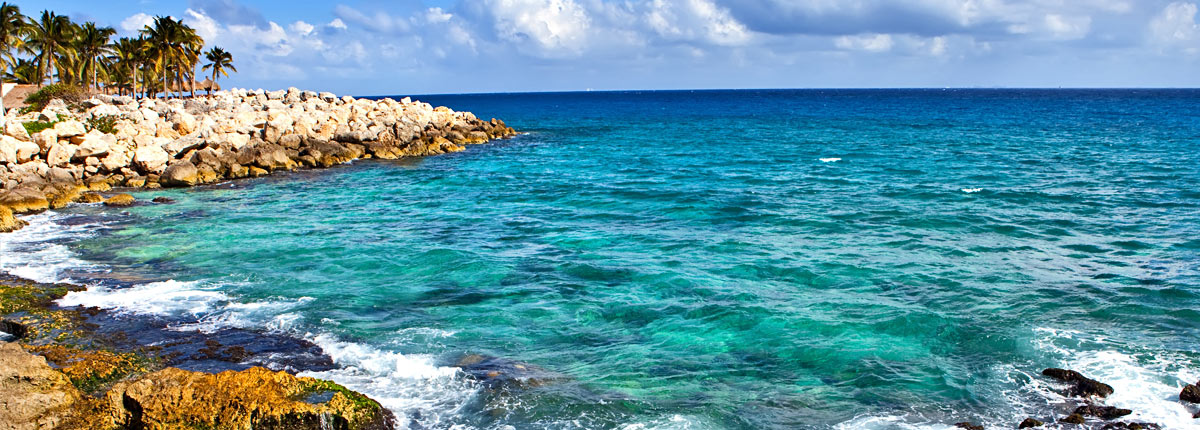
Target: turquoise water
(730, 260)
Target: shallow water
(725, 260)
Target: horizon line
(775, 89)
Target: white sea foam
(410, 385)
(31, 253)
(674, 422)
(888, 422)
(1147, 382)
(164, 298)
(831, 160)
(972, 190)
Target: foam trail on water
(830, 160)
(33, 252)
(674, 422)
(1147, 383)
(410, 385)
(166, 298)
(890, 422)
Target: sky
(377, 47)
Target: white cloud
(547, 27)
(695, 20)
(865, 42)
(1176, 27)
(136, 23)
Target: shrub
(37, 126)
(103, 123)
(68, 93)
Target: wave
(37, 251)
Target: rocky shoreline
(66, 368)
(49, 158)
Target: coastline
(97, 369)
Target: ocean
(757, 259)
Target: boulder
(15, 129)
(150, 159)
(1073, 419)
(1190, 393)
(24, 199)
(180, 174)
(69, 128)
(1030, 423)
(95, 144)
(120, 201)
(45, 138)
(968, 426)
(1079, 385)
(182, 145)
(253, 398)
(90, 198)
(34, 395)
(1103, 412)
(26, 150)
(8, 150)
(60, 154)
(183, 122)
(8, 221)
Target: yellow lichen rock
(120, 200)
(9, 222)
(35, 396)
(255, 398)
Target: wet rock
(24, 200)
(163, 200)
(1131, 426)
(181, 174)
(120, 201)
(1030, 423)
(1190, 393)
(254, 398)
(1073, 419)
(968, 426)
(496, 371)
(90, 198)
(1103, 412)
(1080, 385)
(9, 222)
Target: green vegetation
(67, 92)
(37, 126)
(103, 123)
(51, 48)
(361, 403)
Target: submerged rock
(254, 398)
(1080, 385)
(1030, 423)
(496, 371)
(120, 200)
(163, 200)
(1073, 419)
(968, 426)
(1103, 412)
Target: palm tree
(12, 29)
(175, 46)
(92, 44)
(23, 72)
(218, 61)
(50, 38)
(127, 59)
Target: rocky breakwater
(48, 158)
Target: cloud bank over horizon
(414, 46)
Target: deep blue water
(715, 259)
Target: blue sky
(418, 47)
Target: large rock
(120, 201)
(32, 394)
(26, 150)
(182, 145)
(8, 150)
(180, 174)
(16, 130)
(1079, 385)
(95, 144)
(69, 128)
(253, 398)
(60, 154)
(150, 159)
(45, 138)
(1190, 393)
(9, 222)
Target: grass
(33, 127)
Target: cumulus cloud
(1176, 27)
(866, 42)
(229, 12)
(135, 23)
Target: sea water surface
(875, 259)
